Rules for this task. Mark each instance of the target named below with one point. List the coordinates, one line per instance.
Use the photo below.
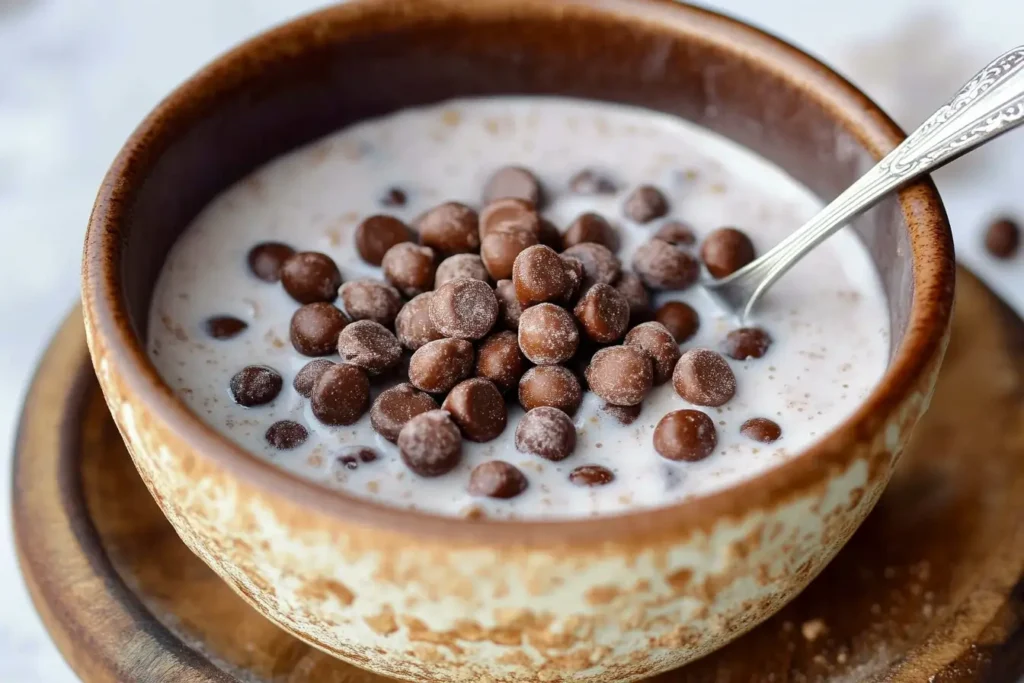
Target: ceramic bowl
(427, 598)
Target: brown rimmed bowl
(429, 598)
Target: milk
(828, 316)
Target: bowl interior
(370, 57)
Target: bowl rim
(930, 238)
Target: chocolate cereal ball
(679, 318)
(439, 365)
(574, 272)
(285, 435)
(704, 378)
(661, 265)
(370, 346)
(747, 342)
(450, 228)
(725, 251)
(267, 258)
(409, 268)
(460, 266)
(307, 377)
(761, 429)
(658, 343)
(477, 408)
(509, 308)
(546, 432)
(502, 245)
(513, 181)
(464, 309)
(549, 235)
(341, 395)
(1002, 238)
(309, 276)
(396, 406)
(687, 435)
(370, 300)
(591, 475)
(500, 360)
(591, 181)
(430, 444)
(510, 211)
(603, 313)
(644, 204)
(413, 325)
(622, 375)
(314, 328)
(550, 385)
(375, 235)
(538, 276)
(351, 456)
(224, 326)
(496, 479)
(393, 196)
(255, 385)
(678, 233)
(637, 297)
(599, 263)
(590, 227)
(547, 334)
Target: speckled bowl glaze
(433, 599)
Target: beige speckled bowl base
(929, 589)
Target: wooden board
(928, 590)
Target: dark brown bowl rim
(933, 273)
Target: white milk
(828, 316)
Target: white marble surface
(77, 75)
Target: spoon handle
(989, 105)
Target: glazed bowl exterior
(422, 597)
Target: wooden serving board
(929, 589)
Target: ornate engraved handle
(991, 104)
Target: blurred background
(77, 75)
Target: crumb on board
(813, 629)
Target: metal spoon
(991, 104)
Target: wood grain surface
(929, 589)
